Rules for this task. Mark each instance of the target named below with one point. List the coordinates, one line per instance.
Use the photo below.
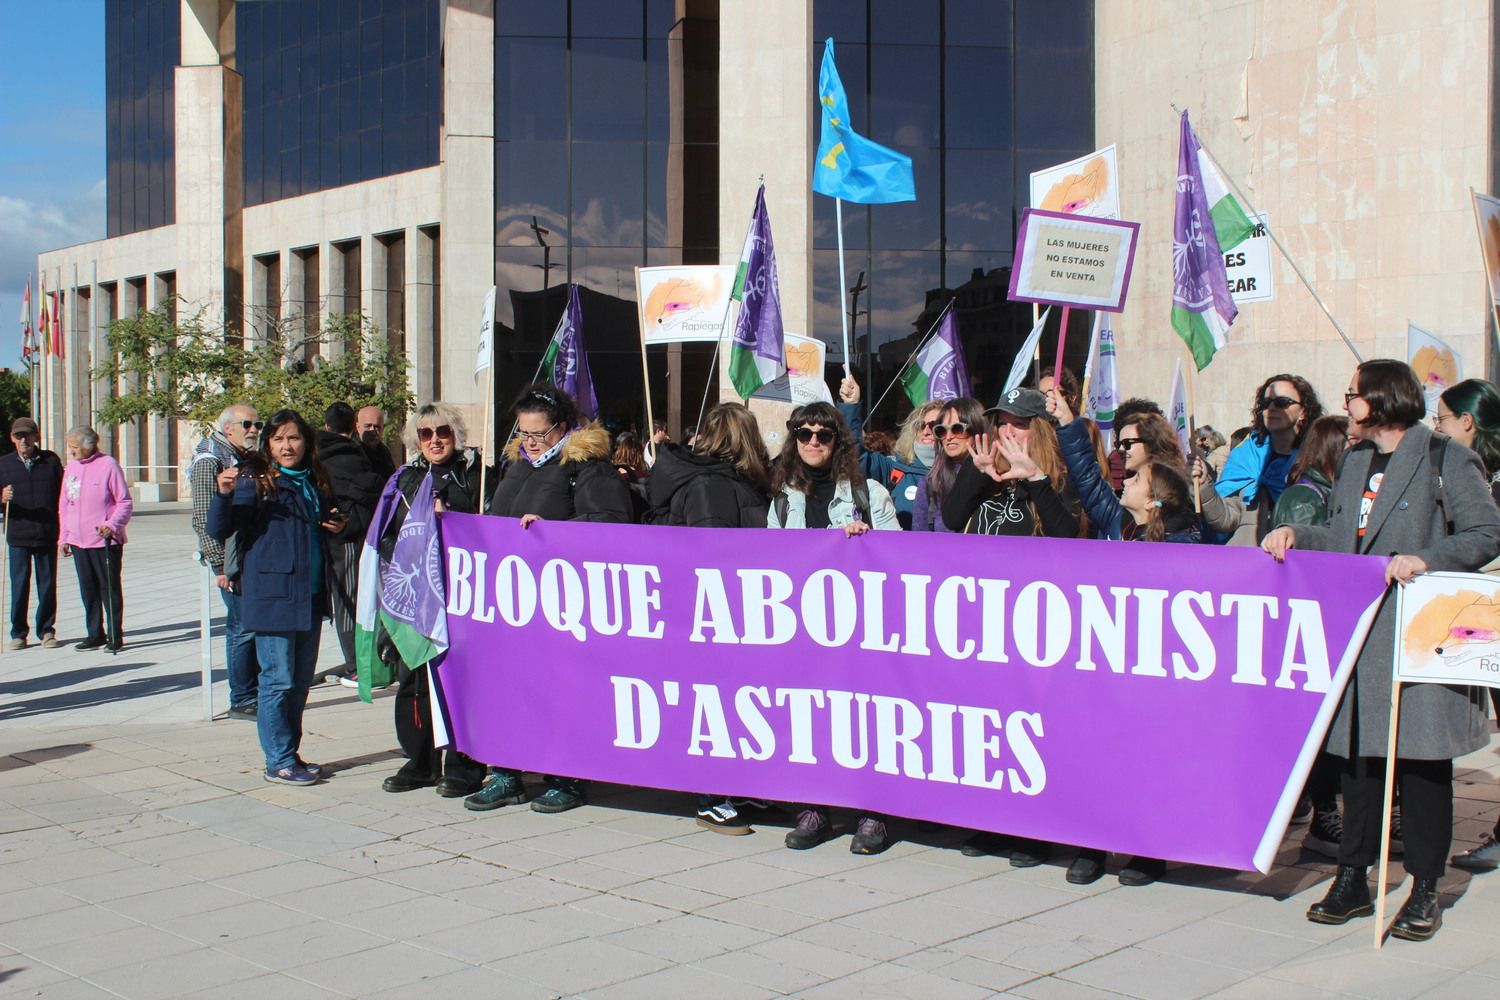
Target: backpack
(861, 504)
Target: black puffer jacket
(355, 481)
(702, 491)
(33, 511)
(579, 484)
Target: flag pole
(713, 365)
(1250, 209)
(1385, 815)
(920, 344)
(838, 216)
(1036, 354)
(489, 412)
(1489, 278)
(1189, 377)
(648, 449)
(1062, 340)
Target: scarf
(302, 484)
(1252, 465)
(550, 453)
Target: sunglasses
(532, 435)
(1125, 444)
(443, 432)
(252, 425)
(805, 435)
(941, 431)
(1280, 402)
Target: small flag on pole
(43, 320)
(758, 352)
(566, 363)
(1102, 379)
(1177, 414)
(1207, 222)
(1018, 367)
(486, 354)
(57, 339)
(849, 166)
(938, 370)
(28, 345)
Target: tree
(189, 371)
(15, 401)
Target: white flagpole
(920, 344)
(838, 214)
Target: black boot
(1422, 915)
(1347, 898)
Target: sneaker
(16, 644)
(557, 799)
(1484, 858)
(869, 837)
(723, 817)
(1303, 812)
(316, 770)
(813, 827)
(500, 788)
(1326, 834)
(349, 680)
(296, 774)
(245, 712)
(49, 641)
(1397, 845)
(85, 644)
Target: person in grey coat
(1423, 502)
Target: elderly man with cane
(30, 480)
(92, 512)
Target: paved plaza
(143, 856)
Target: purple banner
(1151, 699)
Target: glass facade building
(336, 92)
(606, 158)
(141, 50)
(978, 93)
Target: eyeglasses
(1437, 420)
(1125, 444)
(805, 435)
(1350, 397)
(1280, 402)
(530, 435)
(941, 431)
(443, 432)
(252, 425)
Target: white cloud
(29, 226)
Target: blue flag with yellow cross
(849, 166)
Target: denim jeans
(22, 558)
(239, 653)
(286, 672)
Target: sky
(51, 142)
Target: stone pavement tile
(1259, 987)
(1465, 986)
(1229, 945)
(516, 857)
(449, 875)
(1283, 917)
(830, 858)
(62, 926)
(923, 920)
(517, 895)
(582, 841)
(51, 789)
(966, 969)
(830, 963)
(748, 967)
(72, 810)
(494, 938)
(289, 876)
(1364, 972)
(1052, 988)
(1112, 916)
(283, 947)
(34, 901)
(907, 876)
(86, 956)
(580, 965)
(765, 840)
(435, 913)
(248, 918)
(669, 894)
(183, 974)
(387, 966)
(14, 820)
(680, 981)
(64, 989)
(1039, 950)
(827, 899)
(71, 859)
(754, 915)
(21, 975)
(342, 898)
(586, 923)
(653, 860)
(587, 875)
(686, 939)
(632, 912)
(1006, 897)
(385, 856)
(231, 858)
(187, 843)
(735, 877)
(131, 881)
(1153, 976)
(470, 984)
(853, 941)
(193, 899)
(262, 987)
(895, 982)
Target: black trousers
(99, 587)
(343, 572)
(22, 559)
(1426, 788)
(414, 733)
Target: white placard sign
(683, 303)
(1248, 266)
(1085, 186)
(1073, 260)
(1448, 630)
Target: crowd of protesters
(282, 511)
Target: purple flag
(938, 371)
(758, 353)
(1151, 699)
(567, 360)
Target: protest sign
(1086, 186)
(1159, 700)
(683, 303)
(1437, 365)
(1248, 266)
(1449, 629)
(1071, 260)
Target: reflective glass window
(141, 55)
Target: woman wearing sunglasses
(279, 507)
(559, 470)
(903, 471)
(956, 425)
(1241, 501)
(818, 484)
(435, 435)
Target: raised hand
(1058, 407)
(1010, 446)
(980, 450)
(849, 390)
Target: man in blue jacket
(30, 482)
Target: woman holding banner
(1424, 501)
(721, 481)
(435, 436)
(956, 425)
(818, 484)
(559, 471)
(903, 471)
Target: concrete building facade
(276, 163)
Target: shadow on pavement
(28, 758)
(135, 688)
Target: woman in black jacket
(435, 435)
(722, 481)
(558, 471)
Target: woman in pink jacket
(92, 511)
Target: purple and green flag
(938, 371)
(566, 363)
(1208, 221)
(758, 353)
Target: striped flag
(757, 354)
(1177, 414)
(938, 370)
(43, 322)
(27, 343)
(1102, 380)
(1207, 222)
(57, 338)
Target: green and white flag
(757, 354)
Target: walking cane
(111, 635)
(5, 565)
